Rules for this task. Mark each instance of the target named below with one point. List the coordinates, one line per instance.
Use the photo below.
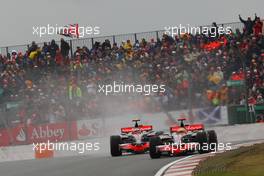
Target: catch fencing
(88, 42)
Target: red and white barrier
(57, 132)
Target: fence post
(6, 50)
(92, 42)
(114, 39)
(157, 35)
(71, 48)
(135, 36)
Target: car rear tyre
(202, 139)
(115, 141)
(153, 143)
(213, 142)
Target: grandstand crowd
(50, 86)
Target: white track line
(173, 170)
(183, 165)
(164, 168)
(185, 173)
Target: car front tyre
(153, 143)
(115, 141)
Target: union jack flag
(70, 30)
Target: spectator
(74, 91)
(248, 25)
(32, 48)
(65, 48)
(106, 45)
(45, 48)
(128, 45)
(53, 47)
(258, 27)
(59, 58)
(214, 31)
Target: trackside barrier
(57, 132)
(237, 114)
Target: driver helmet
(182, 131)
(136, 131)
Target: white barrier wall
(161, 121)
(14, 153)
(236, 133)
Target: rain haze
(116, 16)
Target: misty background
(115, 16)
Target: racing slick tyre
(115, 141)
(153, 143)
(213, 142)
(202, 139)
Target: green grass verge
(245, 161)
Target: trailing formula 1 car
(260, 118)
(132, 139)
(183, 139)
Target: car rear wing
(141, 127)
(194, 127)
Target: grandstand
(48, 83)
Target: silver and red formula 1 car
(132, 139)
(183, 139)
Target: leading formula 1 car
(132, 139)
(183, 139)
